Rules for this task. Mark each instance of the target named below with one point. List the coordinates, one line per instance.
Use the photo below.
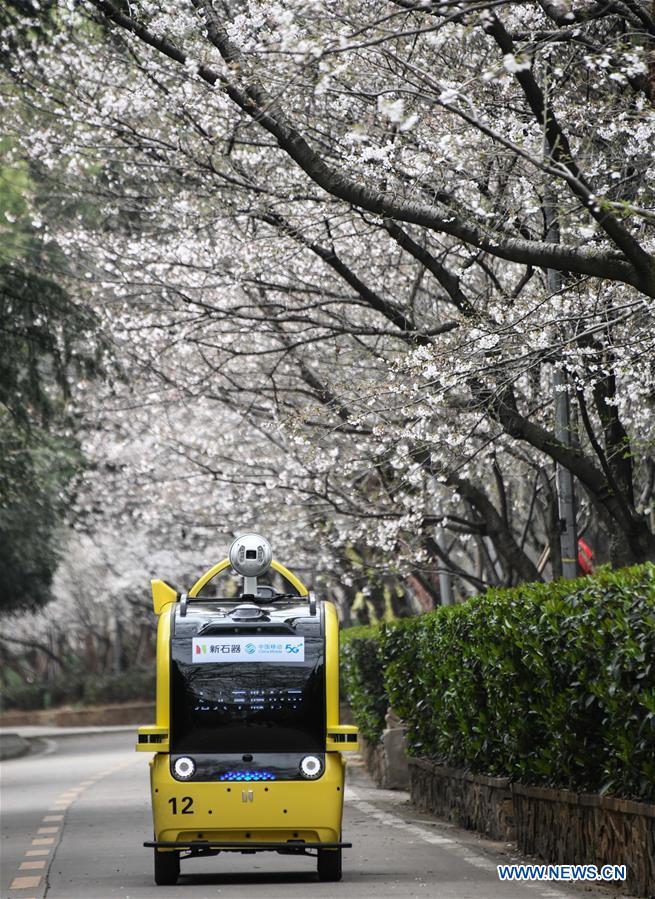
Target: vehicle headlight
(311, 767)
(184, 768)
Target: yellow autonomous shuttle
(247, 739)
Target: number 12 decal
(186, 807)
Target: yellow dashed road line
(24, 883)
(61, 804)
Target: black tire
(167, 868)
(329, 864)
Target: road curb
(35, 732)
(79, 716)
(24, 741)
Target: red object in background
(585, 555)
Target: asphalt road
(74, 818)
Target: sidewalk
(15, 742)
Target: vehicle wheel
(329, 864)
(167, 868)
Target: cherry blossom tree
(321, 245)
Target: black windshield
(246, 706)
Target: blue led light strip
(247, 775)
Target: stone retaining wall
(387, 761)
(123, 713)
(563, 827)
(373, 759)
(558, 826)
(468, 800)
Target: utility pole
(565, 486)
(445, 577)
(564, 478)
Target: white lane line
(53, 818)
(43, 841)
(49, 747)
(458, 849)
(44, 830)
(33, 852)
(391, 820)
(478, 861)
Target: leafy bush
(81, 689)
(363, 681)
(545, 683)
(130, 686)
(23, 696)
(43, 695)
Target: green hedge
(545, 683)
(131, 686)
(362, 679)
(81, 689)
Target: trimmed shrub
(43, 695)
(363, 681)
(545, 683)
(23, 696)
(130, 686)
(81, 689)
